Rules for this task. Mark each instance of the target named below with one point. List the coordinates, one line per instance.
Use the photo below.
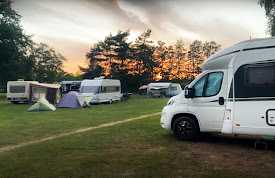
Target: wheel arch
(186, 115)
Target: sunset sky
(72, 26)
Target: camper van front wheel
(185, 128)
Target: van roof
(162, 84)
(246, 45)
(22, 81)
(71, 82)
(100, 81)
(258, 43)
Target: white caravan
(100, 90)
(30, 91)
(19, 91)
(166, 89)
(234, 94)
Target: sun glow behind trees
(145, 60)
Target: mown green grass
(134, 149)
(17, 125)
(2, 96)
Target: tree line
(20, 56)
(144, 60)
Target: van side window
(214, 83)
(199, 87)
(209, 85)
(255, 80)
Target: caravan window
(255, 80)
(89, 89)
(110, 89)
(17, 89)
(174, 88)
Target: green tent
(42, 105)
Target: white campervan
(100, 90)
(235, 94)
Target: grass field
(134, 149)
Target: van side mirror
(221, 100)
(189, 92)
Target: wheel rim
(185, 128)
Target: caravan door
(254, 106)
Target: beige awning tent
(44, 90)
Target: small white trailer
(19, 91)
(30, 91)
(100, 90)
(165, 89)
(234, 94)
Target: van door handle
(221, 100)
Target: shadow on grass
(230, 141)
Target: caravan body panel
(100, 90)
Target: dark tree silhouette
(47, 63)
(269, 6)
(140, 62)
(14, 46)
(142, 51)
(20, 57)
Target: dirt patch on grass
(234, 154)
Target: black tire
(186, 128)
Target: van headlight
(171, 101)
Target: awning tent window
(43, 90)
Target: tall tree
(117, 49)
(90, 73)
(142, 51)
(47, 63)
(95, 55)
(160, 57)
(14, 46)
(269, 6)
(111, 53)
(180, 54)
(195, 55)
(210, 48)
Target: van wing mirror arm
(189, 92)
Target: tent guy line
(78, 131)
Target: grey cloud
(159, 11)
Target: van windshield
(89, 89)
